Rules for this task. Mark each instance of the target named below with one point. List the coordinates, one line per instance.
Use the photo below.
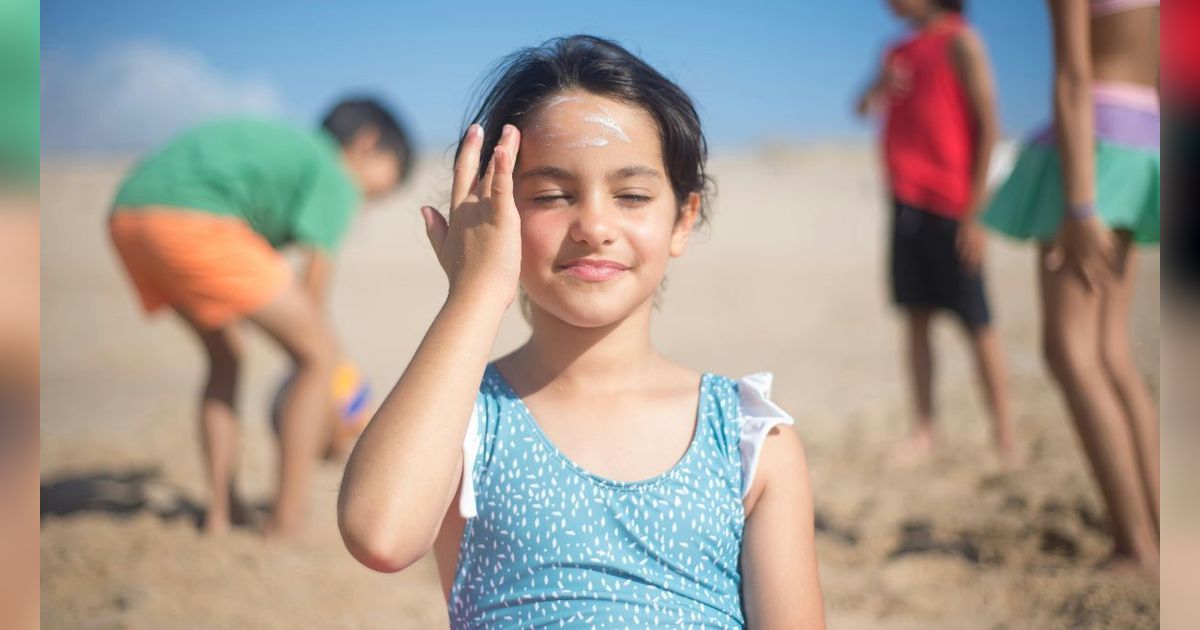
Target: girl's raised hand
(479, 247)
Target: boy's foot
(223, 519)
(216, 524)
(913, 450)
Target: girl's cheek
(542, 232)
(649, 234)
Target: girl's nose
(595, 222)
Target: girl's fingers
(506, 145)
(435, 228)
(1054, 258)
(505, 160)
(466, 167)
(483, 188)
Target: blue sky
(126, 74)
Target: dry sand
(790, 279)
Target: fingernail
(475, 130)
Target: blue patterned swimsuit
(549, 544)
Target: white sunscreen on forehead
(588, 141)
(603, 119)
(609, 123)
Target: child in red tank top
(936, 95)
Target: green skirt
(1030, 203)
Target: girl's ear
(688, 213)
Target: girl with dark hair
(584, 480)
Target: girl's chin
(584, 311)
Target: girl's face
(599, 220)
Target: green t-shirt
(290, 186)
(19, 94)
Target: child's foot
(915, 449)
(282, 527)
(1013, 457)
(1126, 564)
(216, 523)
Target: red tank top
(1181, 54)
(929, 136)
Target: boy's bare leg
(295, 323)
(919, 444)
(219, 424)
(1131, 389)
(993, 376)
(1071, 315)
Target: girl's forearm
(405, 468)
(1073, 98)
(1073, 122)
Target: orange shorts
(213, 269)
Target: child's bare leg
(993, 376)
(1071, 336)
(920, 368)
(219, 423)
(1131, 388)
(293, 320)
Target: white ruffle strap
(758, 416)
(466, 493)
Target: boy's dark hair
(523, 81)
(351, 115)
(957, 6)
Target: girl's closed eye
(634, 198)
(558, 198)
(549, 199)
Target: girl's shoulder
(748, 415)
(746, 396)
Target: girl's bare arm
(780, 584)
(405, 469)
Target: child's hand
(480, 246)
(1087, 247)
(971, 242)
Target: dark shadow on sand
(121, 493)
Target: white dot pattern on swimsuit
(553, 545)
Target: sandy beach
(789, 279)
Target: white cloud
(139, 94)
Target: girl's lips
(594, 270)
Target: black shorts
(1181, 199)
(926, 268)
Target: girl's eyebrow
(549, 172)
(554, 172)
(632, 171)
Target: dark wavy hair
(351, 115)
(521, 82)
(957, 6)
